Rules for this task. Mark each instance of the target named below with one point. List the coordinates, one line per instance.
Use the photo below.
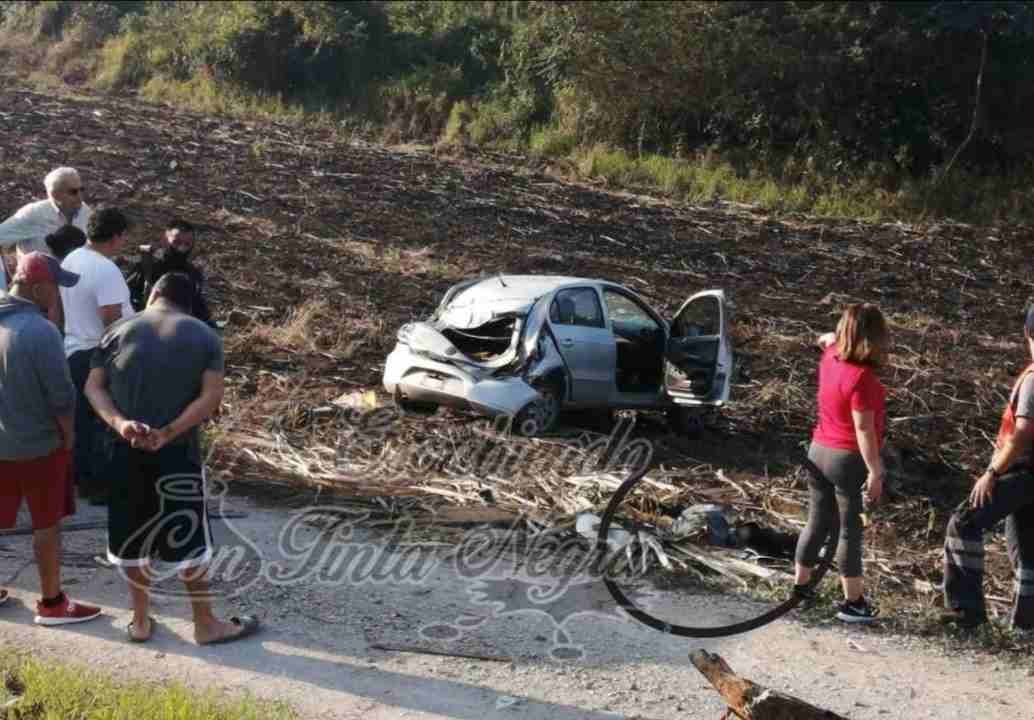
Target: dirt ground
(318, 651)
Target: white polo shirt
(100, 283)
(29, 227)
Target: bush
(503, 119)
(417, 105)
(831, 106)
(551, 142)
(460, 116)
(123, 63)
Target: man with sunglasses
(28, 228)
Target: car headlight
(404, 333)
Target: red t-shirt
(844, 387)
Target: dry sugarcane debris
(318, 246)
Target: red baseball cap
(36, 267)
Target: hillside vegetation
(876, 109)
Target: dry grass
(21, 54)
(404, 261)
(312, 327)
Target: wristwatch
(992, 472)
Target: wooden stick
(749, 701)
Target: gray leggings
(844, 473)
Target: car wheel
(540, 415)
(686, 421)
(412, 407)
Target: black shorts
(157, 508)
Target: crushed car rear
(478, 351)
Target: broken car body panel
(494, 344)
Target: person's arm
(1014, 447)
(66, 424)
(110, 314)
(96, 392)
(112, 295)
(201, 311)
(48, 357)
(136, 281)
(202, 408)
(869, 446)
(23, 225)
(866, 399)
(826, 339)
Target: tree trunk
(976, 111)
(749, 701)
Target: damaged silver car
(530, 346)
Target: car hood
(498, 296)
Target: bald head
(174, 288)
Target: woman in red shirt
(845, 447)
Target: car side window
(700, 317)
(577, 306)
(624, 312)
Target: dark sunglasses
(72, 191)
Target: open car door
(698, 359)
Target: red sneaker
(66, 613)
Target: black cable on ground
(706, 632)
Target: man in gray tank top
(154, 379)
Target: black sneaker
(859, 611)
(963, 618)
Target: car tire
(686, 421)
(413, 408)
(540, 415)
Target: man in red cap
(37, 403)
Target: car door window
(625, 314)
(577, 306)
(700, 318)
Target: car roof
(504, 288)
(497, 295)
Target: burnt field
(318, 246)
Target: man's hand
(133, 432)
(826, 340)
(874, 486)
(982, 490)
(158, 439)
